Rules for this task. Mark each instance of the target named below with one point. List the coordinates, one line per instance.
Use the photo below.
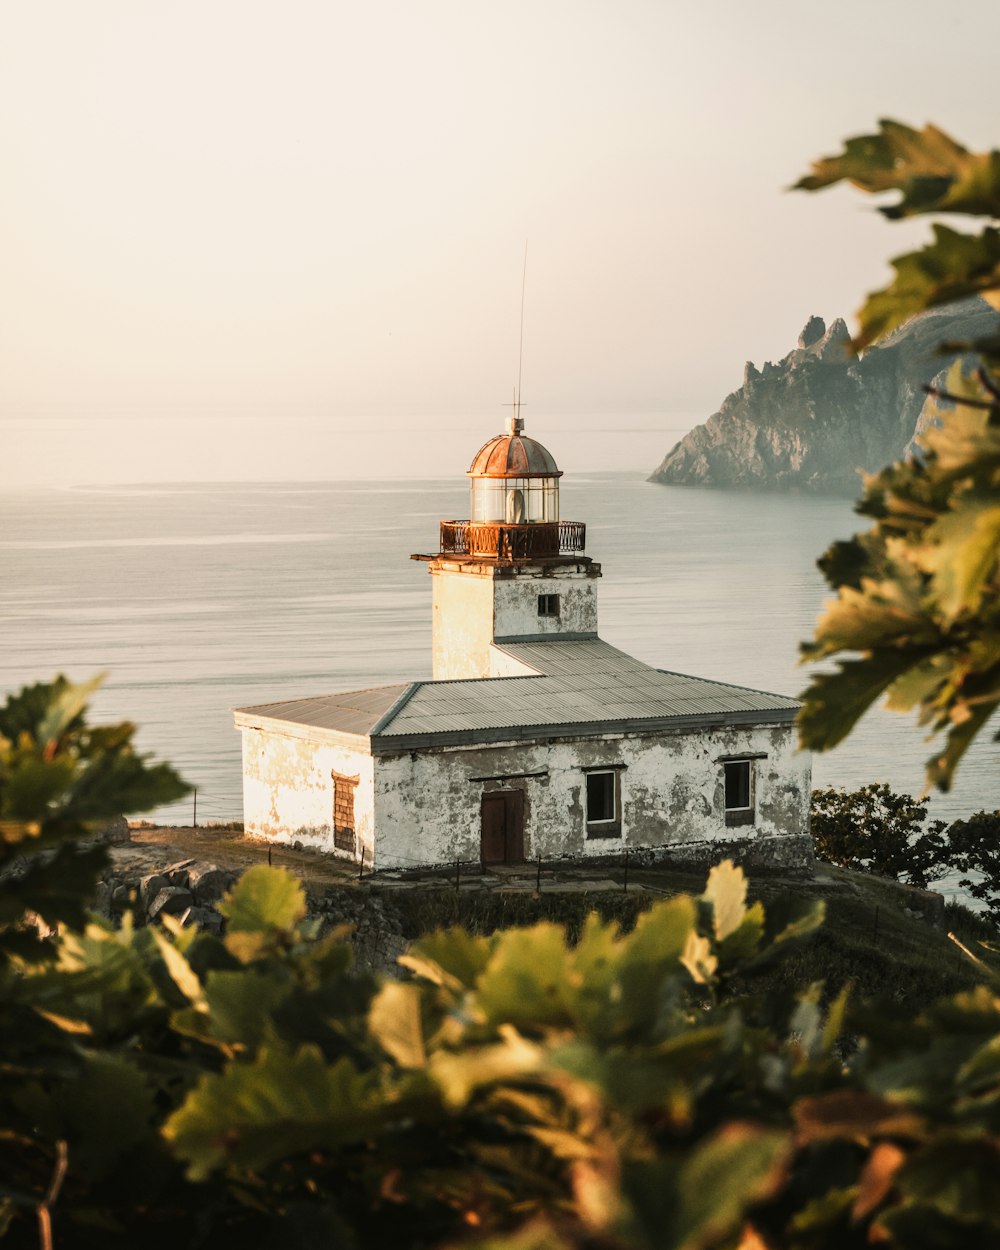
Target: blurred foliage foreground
(917, 613)
(516, 1090)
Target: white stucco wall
(474, 603)
(515, 602)
(461, 621)
(427, 808)
(288, 790)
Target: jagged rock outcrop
(814, 419)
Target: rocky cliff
(812, 420)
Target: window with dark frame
(739, 792)
(548, 605)
(603, 795)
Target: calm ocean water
(199, 598)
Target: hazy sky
(263, 239)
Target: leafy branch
(917, 613)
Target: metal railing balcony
(495, 541)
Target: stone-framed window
(604, 801)
(548, 605)
(344, 836)
(740, 783)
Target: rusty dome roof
(513, 455)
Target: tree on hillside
(876, 830)
(917, 612)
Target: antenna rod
(520, 348)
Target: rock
(114, 833)
(121, 896)
(206, 919)
(177, 874)
(208, 882)
(820, 415)
(812, 332)
(172, 900)
(150, 886)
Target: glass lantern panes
(514, 500)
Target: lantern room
(514, 480)
(514, 504)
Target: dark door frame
(501, 830)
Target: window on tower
(548, 605)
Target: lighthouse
(535, 738)
(513, 570)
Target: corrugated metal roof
(350, 711)
(579, 684)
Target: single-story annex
(534, 737)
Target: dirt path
(151, 847)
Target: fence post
(456, 875)
(538, 877)
(361, 869)
(194, 820)
(625, 887)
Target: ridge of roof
(731, 685)
(396, 707)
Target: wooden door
(502, 827)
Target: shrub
(874, 830)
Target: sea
(194, 599)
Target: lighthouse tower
(513, 571)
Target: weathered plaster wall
(515, 602)
(461, 622)
(427, 806)
(288, 790)
(474, 603)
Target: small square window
(739, 792)
(548, 605)
(603, 804)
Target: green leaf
(460, 1074)
(460, 955)
(253, 1114)
(525, 983)
(723, 1177)
(931, 170)
(956, 1174)
(962, 553)
(394, 1021)
(954, 266)
(744, 941)
(66, 706)
(264, 900)
(697, 957)
(835, 702)
(727, 892)
(181, 972)
(242, 1004)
